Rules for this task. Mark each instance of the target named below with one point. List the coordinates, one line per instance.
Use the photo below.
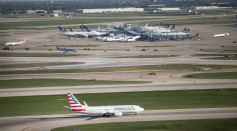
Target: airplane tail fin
(58, 48)
(86, 28)
(75, 105)
(188, 30)
(24, 41)
(60, 29)
(185, 29)
(173, 27)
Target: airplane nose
(142, 109)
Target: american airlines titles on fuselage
(113, 110)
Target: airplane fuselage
(14, 43)
(124, 109)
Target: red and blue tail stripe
(75, 105)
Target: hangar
(108, 10)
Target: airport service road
(48, 122)
(177, 85)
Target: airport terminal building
(109, 10)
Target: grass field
(78, 20)
(116, 69)
(39, 105)
(222, 58)
(37, 64)
(208, 20)
(149, 56)
(219, 75)
(27, 83)
(122, 18)
(181, 125)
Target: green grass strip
(152, 100)
(130, 68)
(219, 75)
(181, 125)
(149, 56)
(27, 83)
(78, 21)
(222, 58)
(208, 20)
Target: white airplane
(132, 39)
(221, 35)
(72, 33)
(113, 39)
(158, 29)
(16, 43)
(115, 110)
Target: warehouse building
(109, 10)
(160, 7)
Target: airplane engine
(118, 114)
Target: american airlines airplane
(16, 43)
(114, 110)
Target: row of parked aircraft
(121, 38)
(130, 33)
(81, 34)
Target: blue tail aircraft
(65, 50)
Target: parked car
(27, 48)
(7, 48)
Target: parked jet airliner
(16, 43)
(115, 110)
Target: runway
(177, 85)
(96, 62)
(48, 122)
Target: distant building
(109, 10)
(170, 9)
(41, 12)
(67, 14)
(154, 7)
(57, 11)
(220, 4)
(209, 7)
(54, 15)
(160, 7)
(30, 12)
(205, 7)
